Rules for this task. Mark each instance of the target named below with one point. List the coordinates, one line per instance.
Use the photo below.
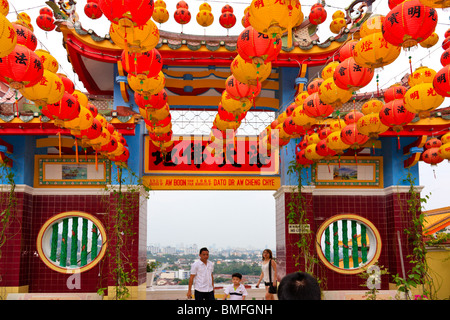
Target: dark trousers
(204, 295)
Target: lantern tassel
(398, 141)
(76, 150)
(59, 140)
(96, 161)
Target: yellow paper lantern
(300, 98)
(328, 71)
(8, 37)
(445, 138)
(338, 14)
(371, 125)
(421, 75)
(147, 85)
(223, 125)
(205, 6)
(311, 153)
(205, 18)
(160, 14)
(300, 118)
(422, 99)
(160, 4)
(159, 130)
(337, 24)
(444, 151)
(373, 51)
(371, 25)
(103, 139)
(133, 38)
(337, 124)
(117, 152)
(330, 93)
(274, 17)
(440, 4)
(430, 41)
(313, 138)
(235, 106)
(49, 90)
(248, 72)
(372, 106)
(82, 122)
(335, 143)
(4, 7)
(155, 115)
(81, 97)
(49, 62)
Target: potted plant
(151, 268)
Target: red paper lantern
(148, 63)
(433, 143)
(227, 20)
(21, 68)
(161, 137)
(25, 36)
(301, 159)
(323, 150)
(238, 90)
(446, 43)
(351, 136)
(46, 11)
(93, 109)
(441, 81)
(182, 5)
(409, 23)
(45, 22)
(346, 50)
(324, 132)
(290, 109)
(349, 75)
(314, 85)
(257, 47)
(229, 116)
(93, 132)
(155, 101)
(92, 10)
(182, 16)
(137, 11)
(69, 87)
(445, 58)
(317, 15)
(123, 157)
(393, 3)
(431, 156)
(111, 146)
(395, 115)
(227, 8)
(291, 128)
(68, 108)
(315, 108)
(353, 116)
(394, 92)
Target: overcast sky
(205, 218)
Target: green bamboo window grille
(348, 244)
(72, 242)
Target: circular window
(347, 243)
(71, 241)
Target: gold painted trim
(69, 214)
(369, 224)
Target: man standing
(202, 277)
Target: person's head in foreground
(299, 286)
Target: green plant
(297, 214)
(8, 201)
(122, 208)
(418, 277)
(153, 265)
(372, 276)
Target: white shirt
(203, 275)
(235, 293)
(265, 270)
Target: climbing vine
(419, 275)
(8, 201)
(297, 214)
(124, 201)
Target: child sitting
(236, 290)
